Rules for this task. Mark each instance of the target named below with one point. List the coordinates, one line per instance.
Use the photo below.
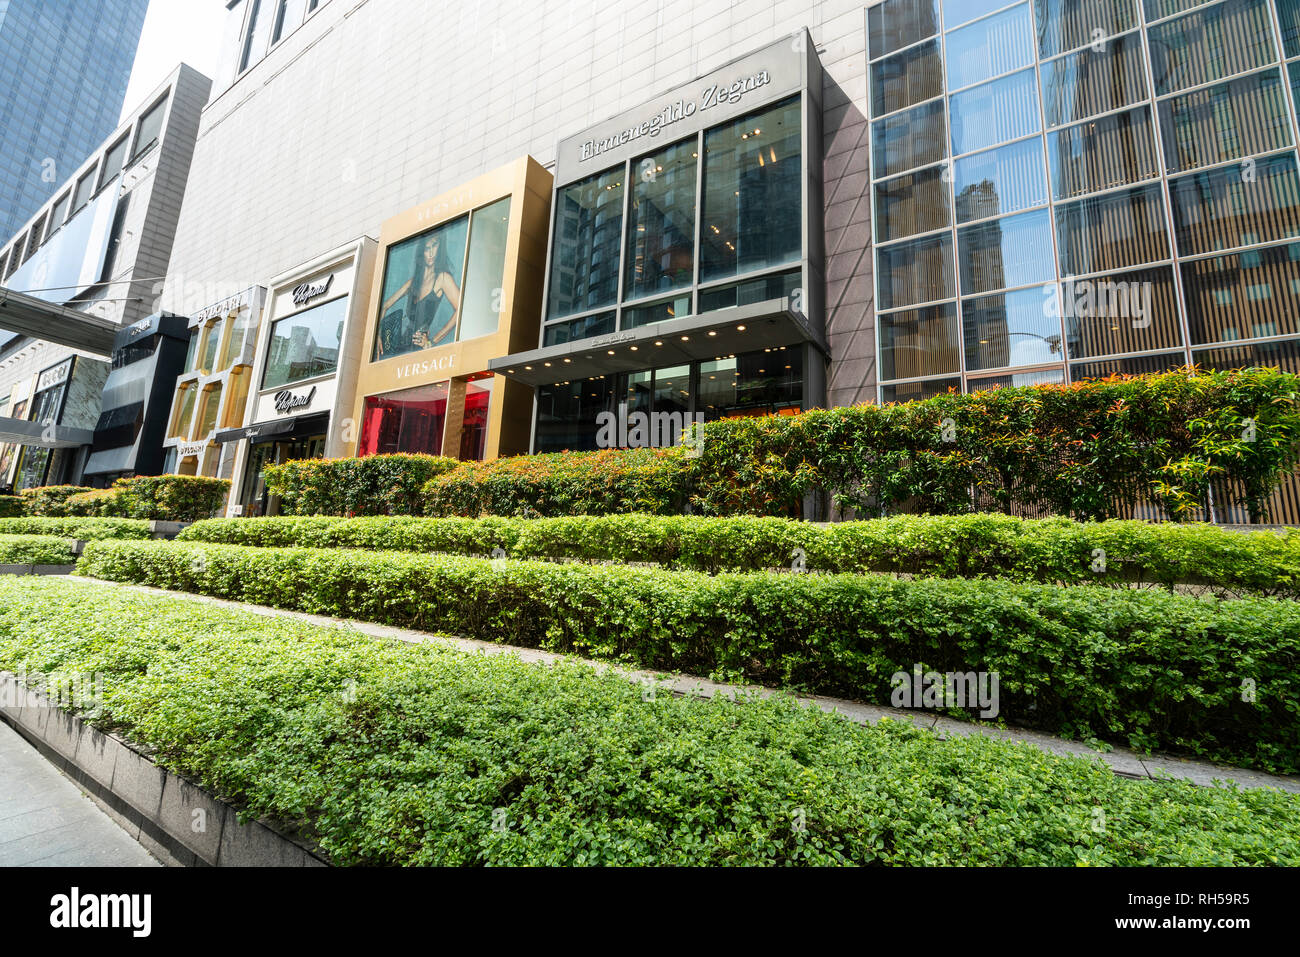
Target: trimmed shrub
(597, 483)
(373, 485)
(430, 746)
(11, 506)
(166, 498)
(35, 550)
(50, 500)
(85, 529)
(1154, 669)
(1090, 450)
(1117, 553)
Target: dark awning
(260, 430)
(295, 424)
(722, 332)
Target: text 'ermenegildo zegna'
(714, 95)
(76, 910)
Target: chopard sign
(286, 401)
(713, 95)
(186, 449)
(305, 292)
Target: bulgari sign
(775, 71)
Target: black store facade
(147, 357)
(685, 269)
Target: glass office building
(63, 74)
(1065, 190)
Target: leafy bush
(1089, 450)
(429, 748)
(596, 483)
(82, 528)
(49, 500)
(35, 550)
(1155, 669)
(373, 485)
(11, 506)
(168, 498)
(1116, 553)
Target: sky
(175, 31)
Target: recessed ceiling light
(658, 342)
(611, 352)
(713, 332)
(740, 328)
(686, 338)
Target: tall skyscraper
(64, 66)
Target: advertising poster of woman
(422, 291)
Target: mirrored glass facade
(1073, 188)
(660, 236)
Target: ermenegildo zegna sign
(776, 70)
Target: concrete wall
(372, 107)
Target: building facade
(89, 264)
(766, 206)
(308, 350)
(64, 68)
(457, 285)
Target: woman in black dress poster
(432, 301)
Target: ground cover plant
(82, 528)
(389, 753)
(1146, 668)
(35, 550)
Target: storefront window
(567, 411)
(485, 273)
(473, 432)
(306, 344)
(184, 412)
(422, 291)
(239, 328)
(407, 421)
(192, 355)
(211, 339)
(751, 384)
(752, 209)
(585, 256)
(661, 222)
(211, 406)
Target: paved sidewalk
(46, 821)
(1122, 761)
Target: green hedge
(610, 482)
(50, 500)
(172, 498)
(1157, 670)
(82, 528)
(35, 550)
(1088, 450)
(969, 546)
(373, 485)
(12, 506)
(389, 753)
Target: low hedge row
(374, 485)
(389, 753)
(11, 506)
(35, 550)
(968, 546)
(1155, 669)
(85, 529)
(170, 498)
